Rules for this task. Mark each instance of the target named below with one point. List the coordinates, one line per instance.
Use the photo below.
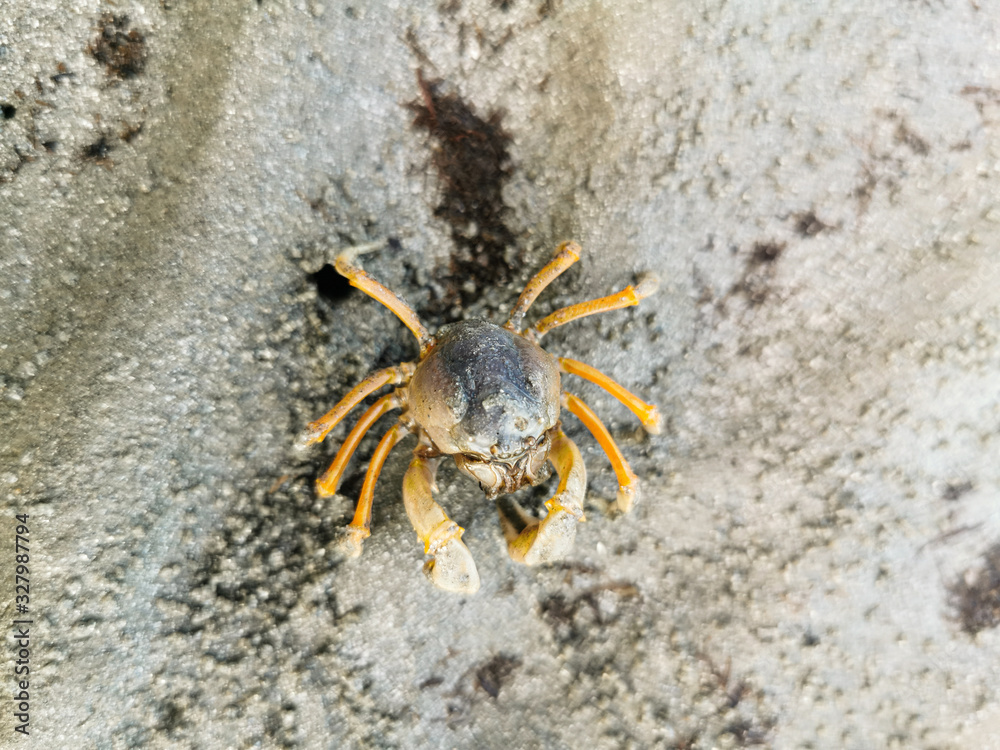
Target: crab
(490, 397)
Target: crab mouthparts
(512, 474)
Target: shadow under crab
(488, 396)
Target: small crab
(488, 396)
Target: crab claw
(549, 540)
(453, 568)
(533, 542)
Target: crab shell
(488, 397)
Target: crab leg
(357, 531)
(452, 567)
(530, 541)
(628, 482)
(648, 414)
(348, 268)
(566, 255)
(326, 485)
(630, 295)
(319, 429)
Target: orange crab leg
(628, 482)
(566, 255)
(327, 484)
(648, 414)
(348, 268)
(630, 295)
(358, 531)
(319, 429)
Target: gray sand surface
(814, 562)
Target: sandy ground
(813, 564)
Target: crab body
(490, 397)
